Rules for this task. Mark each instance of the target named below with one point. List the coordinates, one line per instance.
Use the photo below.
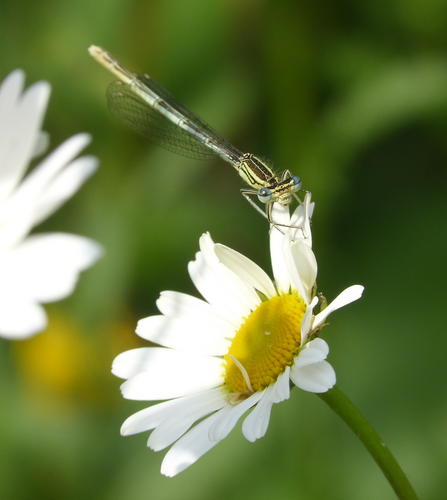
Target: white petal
(256, 424)
(319, 377)
(301, 219)
(229, 416)
(181, 305)
(310, 372)
(280, 273)
(158, 373)
(149, 418)
(346, 297)
(46, 171)
(153, 359)
(281, 388)
(10, 90)
(19, 214)
(20, 318)
(307, 320)
(64, 186)
(306, 264)
(234, 286)
(313, 352)
(189, 448)
(293, 270)
(280, 215)
(174, 426)
(147, 387)
(208, 282)
(42, 144)
(246, 269)
(46, 267)
(19, 138)
(185, 335)
(187, 409)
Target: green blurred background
(351, 96)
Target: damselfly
(145, 106)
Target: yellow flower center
(265, 344)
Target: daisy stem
(345, 409)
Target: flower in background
(66, 368)
(40, 268)
(239, 349)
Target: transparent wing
(139, 116)
(136, 113)
(181, 108)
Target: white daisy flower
(238, 349)
(43, 267)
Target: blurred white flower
(235, 351)
(43, 267)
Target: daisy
(43, 267)
(238, 349)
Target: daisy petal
(42, 144)
(230, 282)
(158, 373)
(20, 318)
(146, 386)
(189, 448)
(229, 417)
(318, 377)
(185, 335)
(281, 216)
(346, 297)
(64, 186)
(151, 417)
(46, 171)
(280, 272)
(306, 264)
(246, 269)
(301, 220)
(208, 283)
(292, 269)
(10, 89)
(313, 352)
(46, 267)
(256, 424)
(185, 306)
(281, 390)
(198, 406)
(151, 359)
(23, 129)
(307, 320)
(19, 213)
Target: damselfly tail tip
(94, 50)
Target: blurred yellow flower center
(265, 344)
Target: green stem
(369, 437)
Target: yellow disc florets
(266, 343)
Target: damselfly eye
(296, 183)
(265, 195)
